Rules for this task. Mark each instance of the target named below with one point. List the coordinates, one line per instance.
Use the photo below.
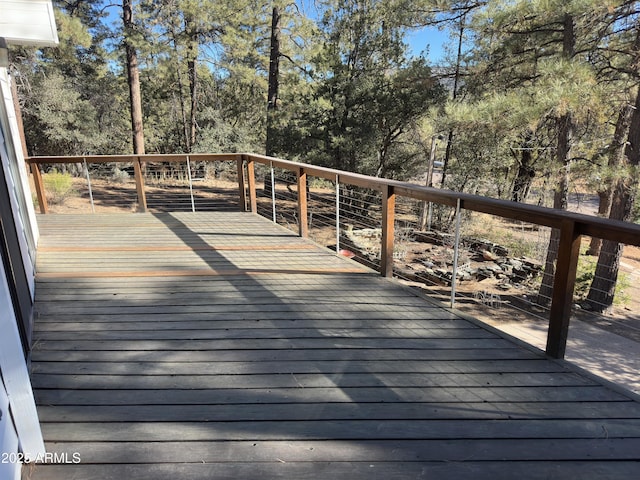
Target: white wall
(23, 433)
(28, 22)
(17, 179)
(8, 440)
(22, 22)
(15, 377)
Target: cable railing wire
(343, 216)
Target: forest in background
(535, 95)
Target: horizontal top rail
(571, 225)
(619, 231)
(623, 232)
(159, 157)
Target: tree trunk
(183, 109)
(602, 289)
(133, 77)
(565, 127)
(445, 160)
(603, 285)
(526, 172)
(616, 158)
(560, 200)
(193, 91)
(604, 207)
(454, 95)
(274, 79)
(192, 73)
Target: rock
(480, 245)
(492, 267)
(433, 237)
(506, 269)
(531, 265)
(484, 273)
(367, 232)
(516, 264)
(487, 255)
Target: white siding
(16, 377)
(16, 179)
(28, 22)
(15, 385)
(8, 439)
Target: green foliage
(71, 102)
(584, 275)
(65, 118)
(368, 95)
(58, 186)
(532, 77)
(350, 95)
(322, 184)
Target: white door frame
(16, 377)
(8, 439)
(13, 366)
(23, 211)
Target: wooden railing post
(303, 224)
(251, 177)
(388, 220)
(142, 197)
(39, 184)
(563, 285)
(241, 184)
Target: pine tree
(369, 93)
(625, 181)
(133, 78)
(72, 101)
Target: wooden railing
(572, 226)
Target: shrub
(58, 186)
(119, 176)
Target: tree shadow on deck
(258, 374)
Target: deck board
(280, 469)
(218, 345)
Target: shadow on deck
(218, 345)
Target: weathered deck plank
(371, 470)
(217, 345)
(313, 412)
(344, 451)
(203, 396)
(355, 430)
(323, 380)
(168, 367)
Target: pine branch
(295, 64)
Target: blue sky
(431, 38)
(418, 40)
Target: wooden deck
(218, 345)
